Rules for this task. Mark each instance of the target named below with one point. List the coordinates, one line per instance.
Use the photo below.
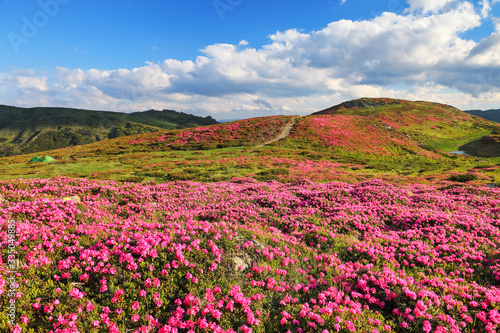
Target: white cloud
(32, 82)
(426, 6)
(485, 11)
(119, 84)
(421, 50)
(496, 22)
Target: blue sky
(237, 58)
(114, 34)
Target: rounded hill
(431, 126)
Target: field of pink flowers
(244, 256)
(247, 132)
(354, 133)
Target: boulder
(74, 198)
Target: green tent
(36, 159)
(48, 158)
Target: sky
(246, 58)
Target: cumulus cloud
(486, 52)
(120, 83)
(32, 82)
(420, 54)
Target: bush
(491, 138)
(463, 178)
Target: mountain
(395, 140)
(29, 130)
(493, 115)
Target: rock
(17, 264)
(254, 242)
(239, 262)
(76, 285)
(243, 259)
(74, 198)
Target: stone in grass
(240, 264)
(74, 198)
(254, 242)
(17, 264)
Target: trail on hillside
(284, 134)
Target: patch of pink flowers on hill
(355, 134)
(255, 131)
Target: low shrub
(463, 178)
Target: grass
(263, 164)
(403, 142)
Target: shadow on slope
(487, 146)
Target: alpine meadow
(329, 167)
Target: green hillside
(394, 140)
(29, 130)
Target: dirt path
(284, 134)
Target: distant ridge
(30, 130)
(493, 115)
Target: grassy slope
(399, 141)
(37, 129)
